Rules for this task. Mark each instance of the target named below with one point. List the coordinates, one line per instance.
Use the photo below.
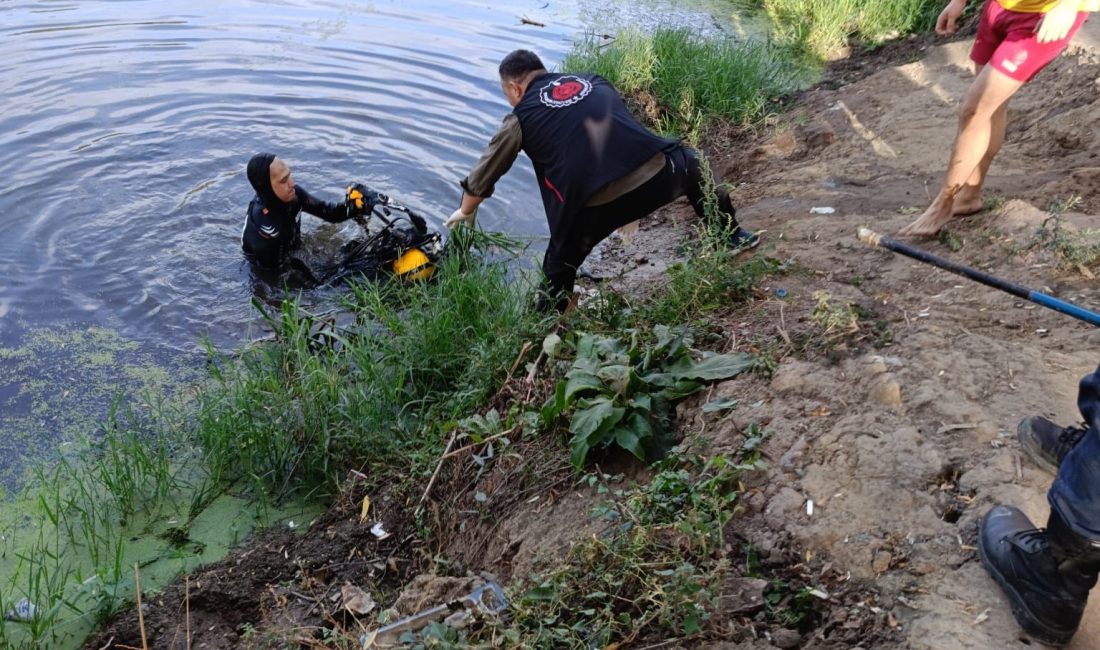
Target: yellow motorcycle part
(413, 264)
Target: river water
(124, 134)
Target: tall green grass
(284, 418)
(296, 414)
(695, 81)
(686, 82)
(822, 28)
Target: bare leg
(968, 200)
(977, 139)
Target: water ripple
(127, 125)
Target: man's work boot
(1046, 443)
(742, 240)
(1046, 574)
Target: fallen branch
(141, 614)
(528, 21)
(519, 359)
(460, 450)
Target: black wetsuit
(273, 228)
(270, 235)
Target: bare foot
(935, 217)
(968, 200)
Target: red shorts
(1006, 40)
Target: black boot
(1046, 443)
(1046, 574)
(737, 238)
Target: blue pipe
(1050, 302)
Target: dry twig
(141, 614)
(439, 466)
(460, 450)
(187, 608)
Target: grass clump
(1076, 249)
(295, 415)
(822, 29)
(689, 81)
(655, 572)
(711, 279)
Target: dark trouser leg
(1047, 574)
(1075, 494)
(593, 224)
(699, 187)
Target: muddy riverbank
(890, 395)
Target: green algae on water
(58, 384)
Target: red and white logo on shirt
(564, 91)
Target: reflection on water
(127, 125)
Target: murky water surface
(124, 134)
(126, 126)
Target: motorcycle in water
(403, 247)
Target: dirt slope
(901, 429)
(902, 448)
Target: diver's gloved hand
(458, 216)
(360, 200)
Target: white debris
(24, 610)
(378, 531)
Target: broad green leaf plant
(620, 391)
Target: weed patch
(655, 573)
(292, 416)
(1076, 249)
(839, 326)
(710, 280)
(821, 29)
(694, 81)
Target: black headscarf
(259, 174)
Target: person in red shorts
(1016, 39)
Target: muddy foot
(967, 201)
(935, 217)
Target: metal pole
(874, 239)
